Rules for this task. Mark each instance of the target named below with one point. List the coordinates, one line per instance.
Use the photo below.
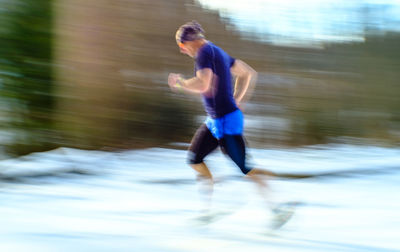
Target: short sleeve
(231, 61)
(204, 59)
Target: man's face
(185, 47)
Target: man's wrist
(179, 83)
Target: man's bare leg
(281, 212)
(258, 176)
(206, 183)
(202, 169)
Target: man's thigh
(203, 143)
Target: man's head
(190, 37)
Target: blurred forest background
(93, 74)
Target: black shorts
(203, 143)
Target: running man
(223, 103)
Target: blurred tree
(26, 73)
(347, 90)
(91, 74)
(112, 67)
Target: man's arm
(199, 84)
(245, 79)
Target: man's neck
(199, 44)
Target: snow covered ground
(148, 200)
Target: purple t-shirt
(218, 100)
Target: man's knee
(246, 170)
(193, 158)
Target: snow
(148, 200)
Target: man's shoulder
(206, 49)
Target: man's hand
(199, 84)
(173, 81)
(240, 106)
